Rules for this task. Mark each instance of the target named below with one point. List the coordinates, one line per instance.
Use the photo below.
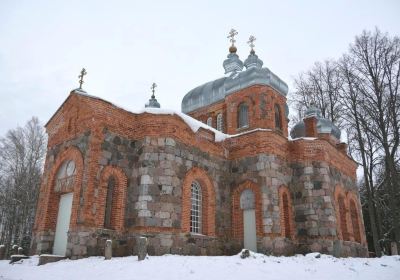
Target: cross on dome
(83, 73)
(251, 42)
(232, 35)
(153, 89)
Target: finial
(153, 89)
(83, 73)
(251, 43)
(231, 38)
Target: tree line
(359, 92)
(22, 152)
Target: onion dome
(153, 103)
(323, 125)
(232, 64)
(252, 60)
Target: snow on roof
(194, 124)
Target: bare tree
(320, 85)
(360, 93)
(22, 153)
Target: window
(65, 176)
(109, 203)
(195, 213)
(286, 213)
(209, 121)
(220, 123)
(354, 221)
(286, 217)
(278, 119)
(342, 217)
(243, 116)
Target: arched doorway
(247, 204)
(64, 182)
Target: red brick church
(219, 176)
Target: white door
(247, 204)
(249, 229)
(63, 219)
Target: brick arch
(237, 213)
(53, 198)
(208, 203)
(355, 218)
(341, 209)
(286, 212)
(119, 197)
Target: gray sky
(126, 45)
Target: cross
(251, 42)
(153, 89)
(232, 35)
(83, 73)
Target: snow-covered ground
(257, 266)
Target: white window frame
(243, 115)
(209, 121)
(196, 201)
(220, 122)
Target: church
(220, 176)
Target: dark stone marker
(245, 254)
(2, 252)
(142, 248)
(393, 248)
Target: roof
(218, 89)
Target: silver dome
(323, 125)
(217, 90)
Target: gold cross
(251, 42)
(232, 35)
(153, 89)
(83, 73)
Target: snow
(174, 267)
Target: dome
(253, 61)
(323, 125)
(232, 64)
(217, 90)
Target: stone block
(163, 215)
(165, 189)
(145, 198)
(44, 259)
(141, 205)
(308, 170)
(166, 242)
(144, 213)
(146, 180)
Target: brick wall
(154, 159)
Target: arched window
(342, 217)
(286, 213)
(65, 176)
(220, 122)
(109, 203)
(278, 119)
(354, 221)
(243, 115)
(196, 208)
(209, 121)
(286, 217)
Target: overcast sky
(127, 45)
